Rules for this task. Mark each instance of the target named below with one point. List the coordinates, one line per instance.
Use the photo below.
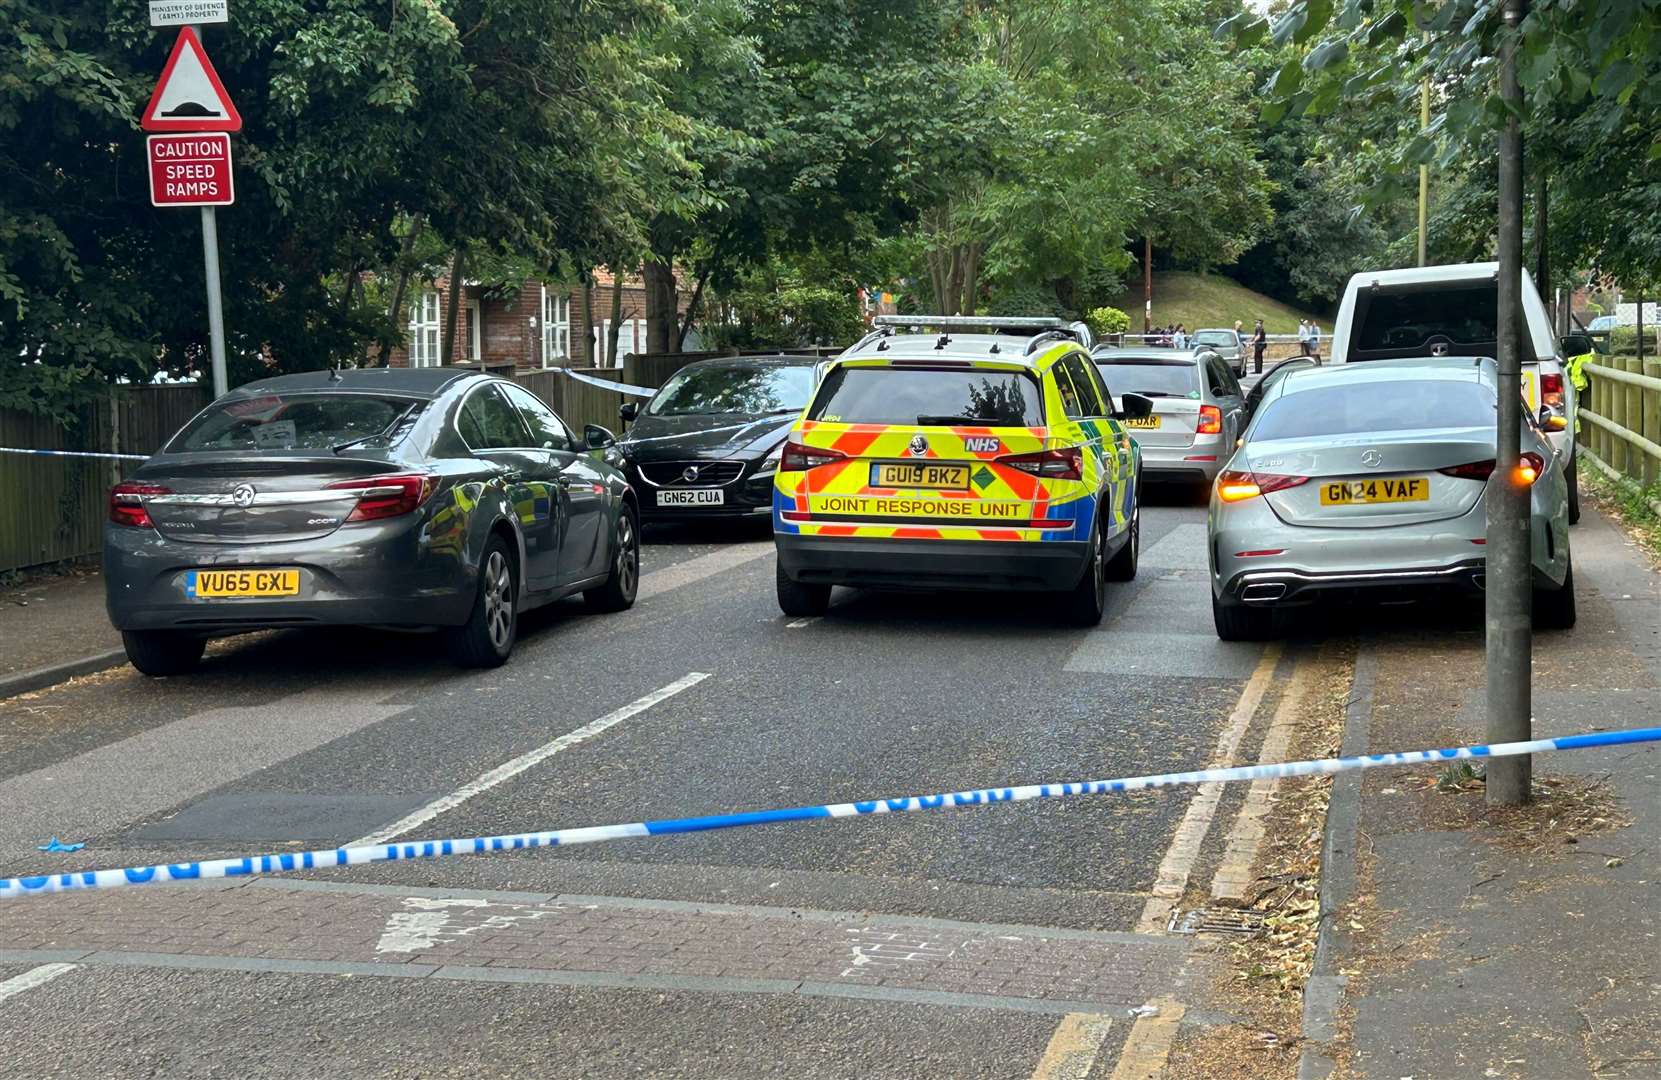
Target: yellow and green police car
(955, 460)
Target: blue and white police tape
(621, 388)
(429, 849)
(75, 453)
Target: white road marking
(32, 978)
(1073, 1048)
(673, 577)
(797, 624)
(1196, 822)
(509, 769)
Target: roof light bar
(969, 322)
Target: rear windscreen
(1216, 337)
(1376, 406)
(928, 396)
(1465, 315)
(1152, 380)
(309, 421)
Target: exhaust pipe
(1263, 592)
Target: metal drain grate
(1216, 920)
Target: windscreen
(298, 421)
(1152, 380)
(1215, 337)
(1465, 315)
(733, 389)
(1374, 406)
(928, 396)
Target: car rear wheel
(1574, 491)
(617, 594)
(486, 639)
(1554, 608)
(162, 652)
(1122, 567)
(1237, 622)
(800, 600)
(1088, 599)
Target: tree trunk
(1542, 238)
(591, 340)
(662, 318)
(403, 284)
(971, 278)
(447, 348)
(691, 311)
(616, 318)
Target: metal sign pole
(216, 310)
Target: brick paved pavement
(338, 923)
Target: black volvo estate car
(430, 498)
(707, 444)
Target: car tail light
(127, 503)
(1211, 420)
(1063, 464)
(1551, 389)
(386, 496)
(1528, 469)
(799, 458)
(1235, 485)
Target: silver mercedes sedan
(1369, 480)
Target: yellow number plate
(889, 474)
(1146, 423)
(1531, 389)
(220, 583)
(1396, 489)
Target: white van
(1452, 311)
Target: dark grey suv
(425, 498)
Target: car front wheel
(162, 652)
(486, 639)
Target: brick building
(540, 324)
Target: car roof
(1413, 275)
(774, 360)
(1447, 368)
(410, 382)
(1150, 356)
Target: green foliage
(784, 305)
(1026, 298)
(1591, 75)
(1105, 321)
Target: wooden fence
(52, 509)
(1620, 418)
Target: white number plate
(692, 497)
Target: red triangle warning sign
(189, 95)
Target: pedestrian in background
(1315, 340)
(1260, 342)
(1303, 336)
(1179, 337)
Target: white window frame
(556, 328)
(475, 331)
(630, 339)
(426, 330)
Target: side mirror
(596, 437)
(628, 411)
(1576, 344)
(1134, 407)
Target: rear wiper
(1152, 393)
(396, 420)
(948, 421)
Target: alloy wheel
(498, 600)
(628, 555)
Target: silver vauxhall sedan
(1198, 408)
(1370, 480)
